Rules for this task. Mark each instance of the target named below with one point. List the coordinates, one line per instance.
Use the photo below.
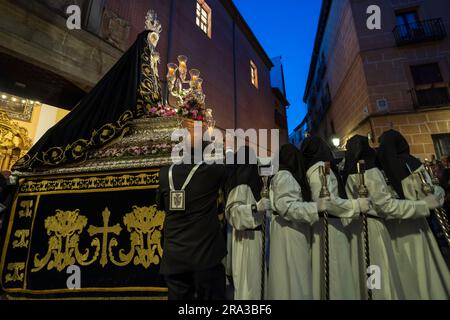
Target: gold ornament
(145, 225)
(64, 230)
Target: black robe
(193, 239)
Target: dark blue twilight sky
(286, 28)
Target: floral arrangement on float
(161, 110)
(188, 93)
(191, 109)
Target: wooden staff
(325, 193)
(363, 192)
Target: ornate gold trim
(94, 183)
(148, 94)
(163, 298)
(138, 225)
(17, 109)
(77, 150)
(123, 289)
(7, 237)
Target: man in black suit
(194, 245)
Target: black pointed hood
(394, 156)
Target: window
(430, 89)
(426, 74)
(254, 73)
(407, 23)
(203, 17)
(441, 144)
(408, 18)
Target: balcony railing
(414, 32)
(431, 98)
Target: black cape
(358, 148)
(393, 155)
(315, 149)
(292, 160)
(102, 115)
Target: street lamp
(336, 141)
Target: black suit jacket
(193, 240)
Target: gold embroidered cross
(104, 231)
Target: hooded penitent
(292, 160)
(246, 172)
(358, 148)
(315, 149)
(394, 156)
(102, 115)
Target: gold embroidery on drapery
(26, 209)
(149, 88)
(104, 231)
(145, 225)
(17, 274)
(78, 149)
(90, 183)
(148, 95)
(64, 230)
(21, 241)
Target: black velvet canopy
(102, 115)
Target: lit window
(254, 73)
(203, 17)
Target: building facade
(366, 81)
(43, 60)
(298, 134)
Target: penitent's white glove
(263, 205)
(364, 204)
(323, 204)
(432, 202)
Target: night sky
(286, 28)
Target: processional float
(89, 207)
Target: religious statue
(130, 121)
